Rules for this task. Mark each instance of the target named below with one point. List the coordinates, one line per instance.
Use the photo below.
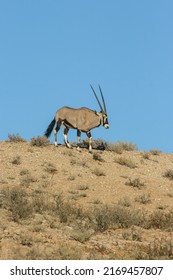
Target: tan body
(83, 118)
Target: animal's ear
(97, 113)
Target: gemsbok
(82, 119)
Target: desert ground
(60, 203)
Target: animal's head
(103, 112)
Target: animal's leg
(90, 141)
(66, 129)
(78, 139)
(56, 131)
(78, 136)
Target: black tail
(50, 128)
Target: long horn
(97, 98)
(104, 104)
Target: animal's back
(65, 111)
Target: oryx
(82, 119)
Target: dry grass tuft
(120, 146)
(155, 152)
(16, 201)
(135, 183)
(125, 161)
(40, 141)
(16, 160)
(15, 138)
(169, 174)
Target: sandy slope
(87, 183)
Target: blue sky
(51, 50)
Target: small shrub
(16, 160)
(125, 201)
(160, 249)
(96, 202)
(67, 252)
(169, 174)
(136, 235)
(125, 161)
(16, 201)
(118, 216)
(26, 240)
(71, 177)
(114, 147)
(161, 206)
(99, 144)
(39, 203)
(66, 210)
(119, 147)
(82, 163)
(24, 172)
(146, 155)
(15, 138)
(103, 219)
(73, 161)
(170, 194)
(82, 235)
(143, 199)
(82, 195)
(97, 156)
(40, 141)
(26, 180)
(161, 219)
(98, 172)
(50, 168)
(135, 183)
(133, 235)
(83, 187)
(155, 152)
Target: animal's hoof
(79, 149)
(69, 146)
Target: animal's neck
(100, 120)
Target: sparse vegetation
(135, 183)
(158, 249)
(24, 172)
(125, 201)
(51, 210)
(119, 147)
(15, 138)
(16, 160)
(97, 156)
(27, 179)
(169, 174)
(143, 198)
(155, 152)
(99, 172)
(103, 219)
(50, 168)
(71, 177)
(125, 161)
(40, 141)
(84, 187)
(17, 202)
(161, 220)
(146, 155)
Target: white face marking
(106, 125)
